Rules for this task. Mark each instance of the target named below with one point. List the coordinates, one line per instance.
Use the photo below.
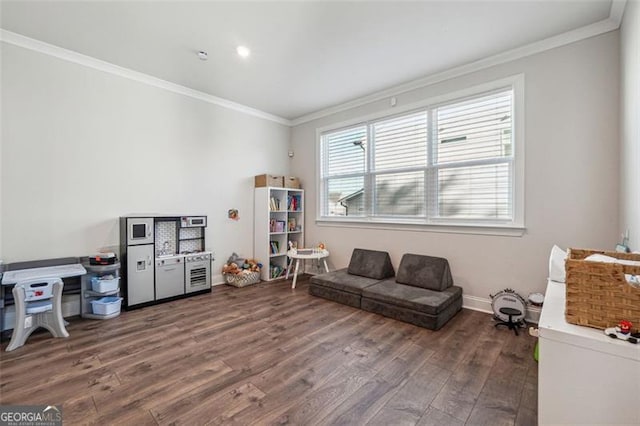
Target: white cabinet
(279, 219)
(584, 376)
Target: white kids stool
(38, 304)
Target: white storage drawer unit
(100, 281)
(584, 376)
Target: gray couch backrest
(428, 272)
(371, 264)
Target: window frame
(515, 227)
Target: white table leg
(295, 274)
(325, 265)
(289, 263)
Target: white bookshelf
(272, 209)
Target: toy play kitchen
(163, 258)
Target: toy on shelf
(623, 331)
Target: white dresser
(584, 376)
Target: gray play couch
(366, 268)
(422, 293)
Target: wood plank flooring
(268, 354)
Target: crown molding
(91, 62)
(617, 11)
(591, 30)
(610, 24)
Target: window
(451, 163)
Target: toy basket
(104, 285)
(598, 294)
(106, 305)
(242, 280)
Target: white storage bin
(106, 305)
(104, 285)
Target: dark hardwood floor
(268, 354)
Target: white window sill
(449, 228)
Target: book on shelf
(274, 204)
(294, 202)
(274, 247)
(276, 271)
(276, 225)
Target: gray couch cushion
(416, 298)
(371, 264)
(433, 322)
(344, 297)
(343, 280)
(424, 271)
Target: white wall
(1, 139)
(81, 147)
(571, 177)
(630, 123)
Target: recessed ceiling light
(243, 51)
(203, 55)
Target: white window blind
(449, 163)
(344, 166)
(474, 156)
(399, 147)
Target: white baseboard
(484, 305)
(217, 280)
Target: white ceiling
(306, 55)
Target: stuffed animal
(252, 265)
(231, 268)
(236, 265)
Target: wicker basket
(242, 280)
(598, 295)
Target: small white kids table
(304, 255)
